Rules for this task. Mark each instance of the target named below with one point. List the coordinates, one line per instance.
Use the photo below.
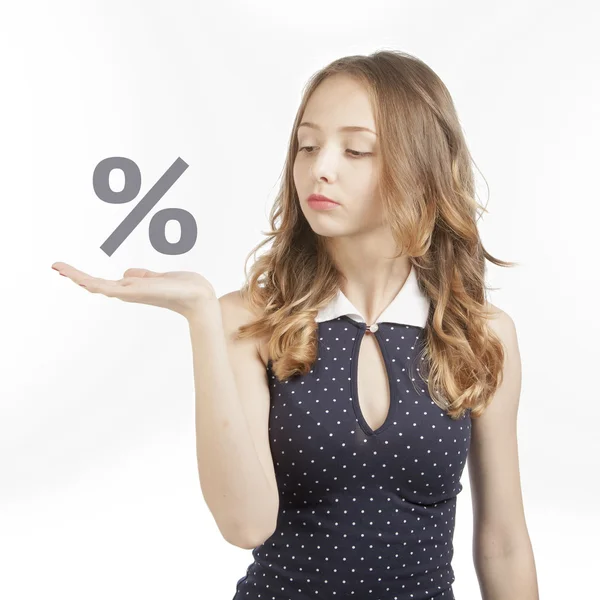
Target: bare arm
(232, 400)
(502, 551)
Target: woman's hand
(179, 291)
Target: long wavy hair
(426, 185)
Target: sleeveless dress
(366, 514)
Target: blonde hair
(427, 190)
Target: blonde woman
(340, 392)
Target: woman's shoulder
(493, 311)
(500, 322)
(240, 313)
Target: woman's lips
(319, 202)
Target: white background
(99, 491)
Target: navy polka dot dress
(366, 514)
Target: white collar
(409, 307)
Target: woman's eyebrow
(346, 128)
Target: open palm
(179, 291)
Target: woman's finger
(93, 284)
(131, 288)
(69, 271)
(107, 287)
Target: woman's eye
(354, 153)
(357, 153)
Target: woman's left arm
(502, 551)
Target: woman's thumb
(140, 273)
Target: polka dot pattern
(363, 514)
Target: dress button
(373, 328)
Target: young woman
(340, 391)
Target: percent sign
(133, 182)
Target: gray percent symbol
(133, 182)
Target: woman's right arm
(235, 465)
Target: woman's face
(330, 160)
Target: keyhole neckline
(363, 330)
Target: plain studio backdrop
(99, 489)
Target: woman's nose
(324, 168)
